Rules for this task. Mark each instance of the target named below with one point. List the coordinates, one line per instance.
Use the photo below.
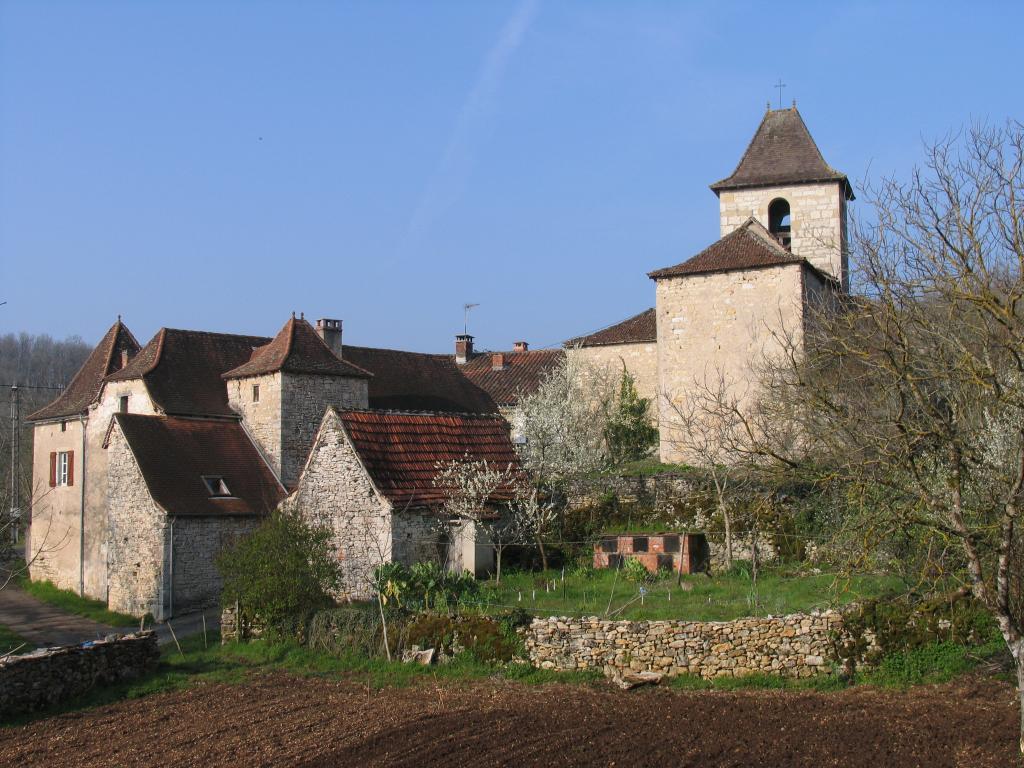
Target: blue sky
(216, 165)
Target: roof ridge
(402, 412)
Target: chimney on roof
(330, 332)
(520, 346)
(124, 357)
(463, 348)
(497, 361)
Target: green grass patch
(932, 663)
(10, 640)
(722, 597)
(66, 600)
(647, 468)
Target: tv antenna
(465, 317)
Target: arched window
(779, 221)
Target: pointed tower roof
(84, 389)
(297, 348)
(782, 152)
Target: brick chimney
(463, 348)
(520, 346)
(330, 332)
(498, 361)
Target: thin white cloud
(449, 179)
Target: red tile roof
(413, 381)
(639, 329)
(782, 152)
(174, 454)
(182, 369)
(297, 348)
(521, 373)
(749, 246)
(401, 451)
(85, 387)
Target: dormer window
(215, 485)
(779, 222)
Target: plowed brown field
(281, 720)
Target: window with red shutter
(71, 467)
(53, 468)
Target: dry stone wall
(50, 676)
(799, 645)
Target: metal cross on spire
(780, 85)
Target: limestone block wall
(36, 681)
(718, 325)
(641, 360)
(335, 490)
(415, 538)
(138, 537)
(818, 213)
(304, 399)
(799, 645)
(262, 418)
(197, 541)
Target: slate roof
(749, 246)
(414, 381)
(182, 369)
(521, 373)
(401, 451)
(174, 454)
(637, 329)
(297, 348)
(85, 387)
(782, 152)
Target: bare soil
(275, 720)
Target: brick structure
(677, 552)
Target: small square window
(122, 405)
(63, 426)
(215, 485)
(62, 468)
(255, 393)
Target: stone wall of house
(138, 537)
(641, 360)
(718, 326)
(799, 645)
(335, 490)
(416, 538)
(197, 543)
(304, 399)
(44, 678)
(261, 418)
(817, 213)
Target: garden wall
(50, 676)
(799, 645)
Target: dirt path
(279, 720)
(43, 624)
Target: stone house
(155, 457)
(783, 248)
(369, 477)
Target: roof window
(215, 485)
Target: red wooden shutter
(71, 467)
(53, 468)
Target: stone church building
(155, 457)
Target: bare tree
(915, 390)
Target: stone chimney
(498, 361)
(330, 332)
(520, 346)
(124, 357)
(463, 348)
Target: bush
(282, 572)
(352, 629)
(635, 571)
(485, 639)
(424, 586)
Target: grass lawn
(10, 640)
(68, 601)
(719, 598)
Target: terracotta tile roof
(782, 152)
(174, 454)
(521, 373)
(413, 381)
(749, 246)
(182, 369)
(297, 348)
(401, 451)
(636, 330)
(86, 385)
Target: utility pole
(15, 459)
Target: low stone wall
(234, 630)
(43, 678)
(799, 645)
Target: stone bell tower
(784, 182)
